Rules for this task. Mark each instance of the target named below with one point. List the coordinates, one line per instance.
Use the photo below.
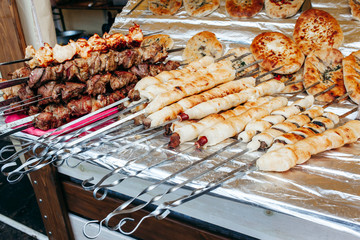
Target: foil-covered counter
(324, 190)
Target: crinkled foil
(325, 190)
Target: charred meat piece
(35, 76)
(106, 99)
(121, 79)
(94, 63)
(150, 52)
(20, 73)
(155, 69)
(171, 65)
(25, 92)
(141, 70)
(79, 107)
(71, 90)
(97, 84)
(53, 116)
(128, 58)
(33, 110)
(83, 73)
(71, 70)
(47, 90)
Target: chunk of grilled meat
(122, 79)
(52, 117)
(59, 92)
(82, 69)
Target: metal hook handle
(99, 228)
(125, 220)
(102, 195)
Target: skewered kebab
(46, 55)
(286, 157)
(81, 69)
(171, 112)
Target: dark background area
(18, 202)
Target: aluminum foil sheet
(324, 190)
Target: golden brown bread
(243, 9)
(276, 49)
(316, 29)
(355, 8)
(164, 7)
(200, 8)
(283, 8)
(202, 44)
(351, 68)
(325, 66)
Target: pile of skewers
(69, 81)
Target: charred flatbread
(276, 49)
(355, 8)
(164, 7)
(351, 68)
(162, 39)
(243, 8)
(202, 44)
(282, 8)
(324, 65)
(200, 8)
(316, 29)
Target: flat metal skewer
(13, 82)
(15, 61)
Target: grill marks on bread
(164, 7)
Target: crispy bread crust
(243, 9)
(164, 7)
(355, 9)
(281, 9)
(276, 49)
(202, 44)
(351, 68)
(325, 66)
(316, 29)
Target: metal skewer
(13, 82)
(6, 102)
(158, 183)
(15, 61)
(304, 90)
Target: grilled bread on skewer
(172, 111)
(232, 100)
(219, 73)
(258, 126)
(287, 157)
(247, 60)
(192, 130)
(317, 125)
(266, 138)
(167, 75)
(234, 125)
